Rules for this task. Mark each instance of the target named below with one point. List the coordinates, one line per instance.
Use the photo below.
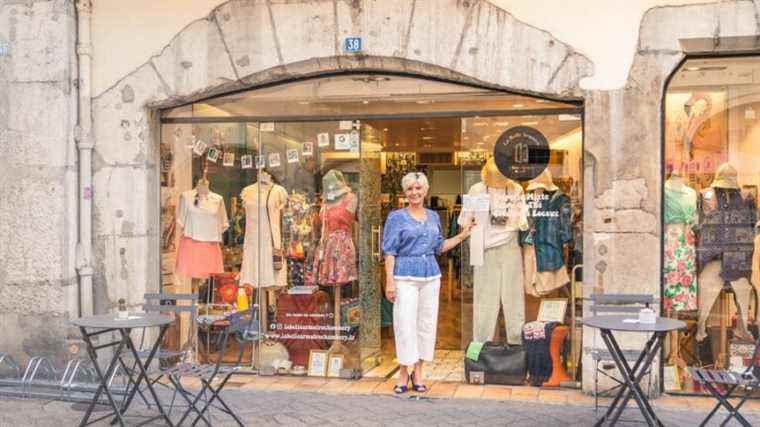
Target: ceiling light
(365, 102)
(541, 101)
(480, 124)
(502, 123)
(529, 123)
(303, 102)
(568, 117)
(692, 68)
(428, 137)
(466, 138)
(518, 105)
(385, 130)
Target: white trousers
(415, 319)
(710, 284)
(499, 282)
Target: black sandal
(419, 388)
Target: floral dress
(680, 260)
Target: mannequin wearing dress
(680, 263)
(335, 260)
(263, 202)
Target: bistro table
(96, 325)
(632, 377)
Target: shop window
(303, 176)
(710, 211)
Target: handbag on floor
(496, 364)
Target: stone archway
(245, 43)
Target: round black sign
(521, 153)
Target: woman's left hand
(467, 229)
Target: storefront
(300, 178)
(710, 251)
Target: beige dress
(262, 230)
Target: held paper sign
(475, 203)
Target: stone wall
(37, 177)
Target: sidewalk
(365, 403)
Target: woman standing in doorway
(411, 241)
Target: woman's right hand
(390, 291)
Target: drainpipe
(84, 142)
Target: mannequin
(335, 258)
(498, 280)
(680, 259)
(264, 202)
(550, 230)
(335, 261)
(725, 246)
(201, 220)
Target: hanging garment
(507, 213)
(263, 207)
(540, 283)
(203, 220)
(726, 232)
(680, 257)
(335, 260)
(551, 227)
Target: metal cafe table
(96, 325)
(632, 376)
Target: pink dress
(337, 264)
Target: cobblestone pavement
(297, 408)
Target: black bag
(497, 364)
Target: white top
(509, 203)
(205, 222)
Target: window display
(710, 214)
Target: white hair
(415, 177)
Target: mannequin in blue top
(411, 240)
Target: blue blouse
(414, 244)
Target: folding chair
(171, 303)
(749, 380)
(614, 304)
(243, 326)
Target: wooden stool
(559, 374)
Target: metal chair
(243, 326)
(749, 380)
(614, 304)
(170, 303)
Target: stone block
(384, 26)
(436, 30)
(127, 268)
(32, 223)
(737, 19)
(122, 203)
(632, 262)
(662, 27)
(624, 194)
(305, 30)
(193, 61)
(42, 37)
(38, 109)
(27, 298)
(120, 118)
(498, 48)
(624, 221)
(251, 40)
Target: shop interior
(710, 208)
(307, 173)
